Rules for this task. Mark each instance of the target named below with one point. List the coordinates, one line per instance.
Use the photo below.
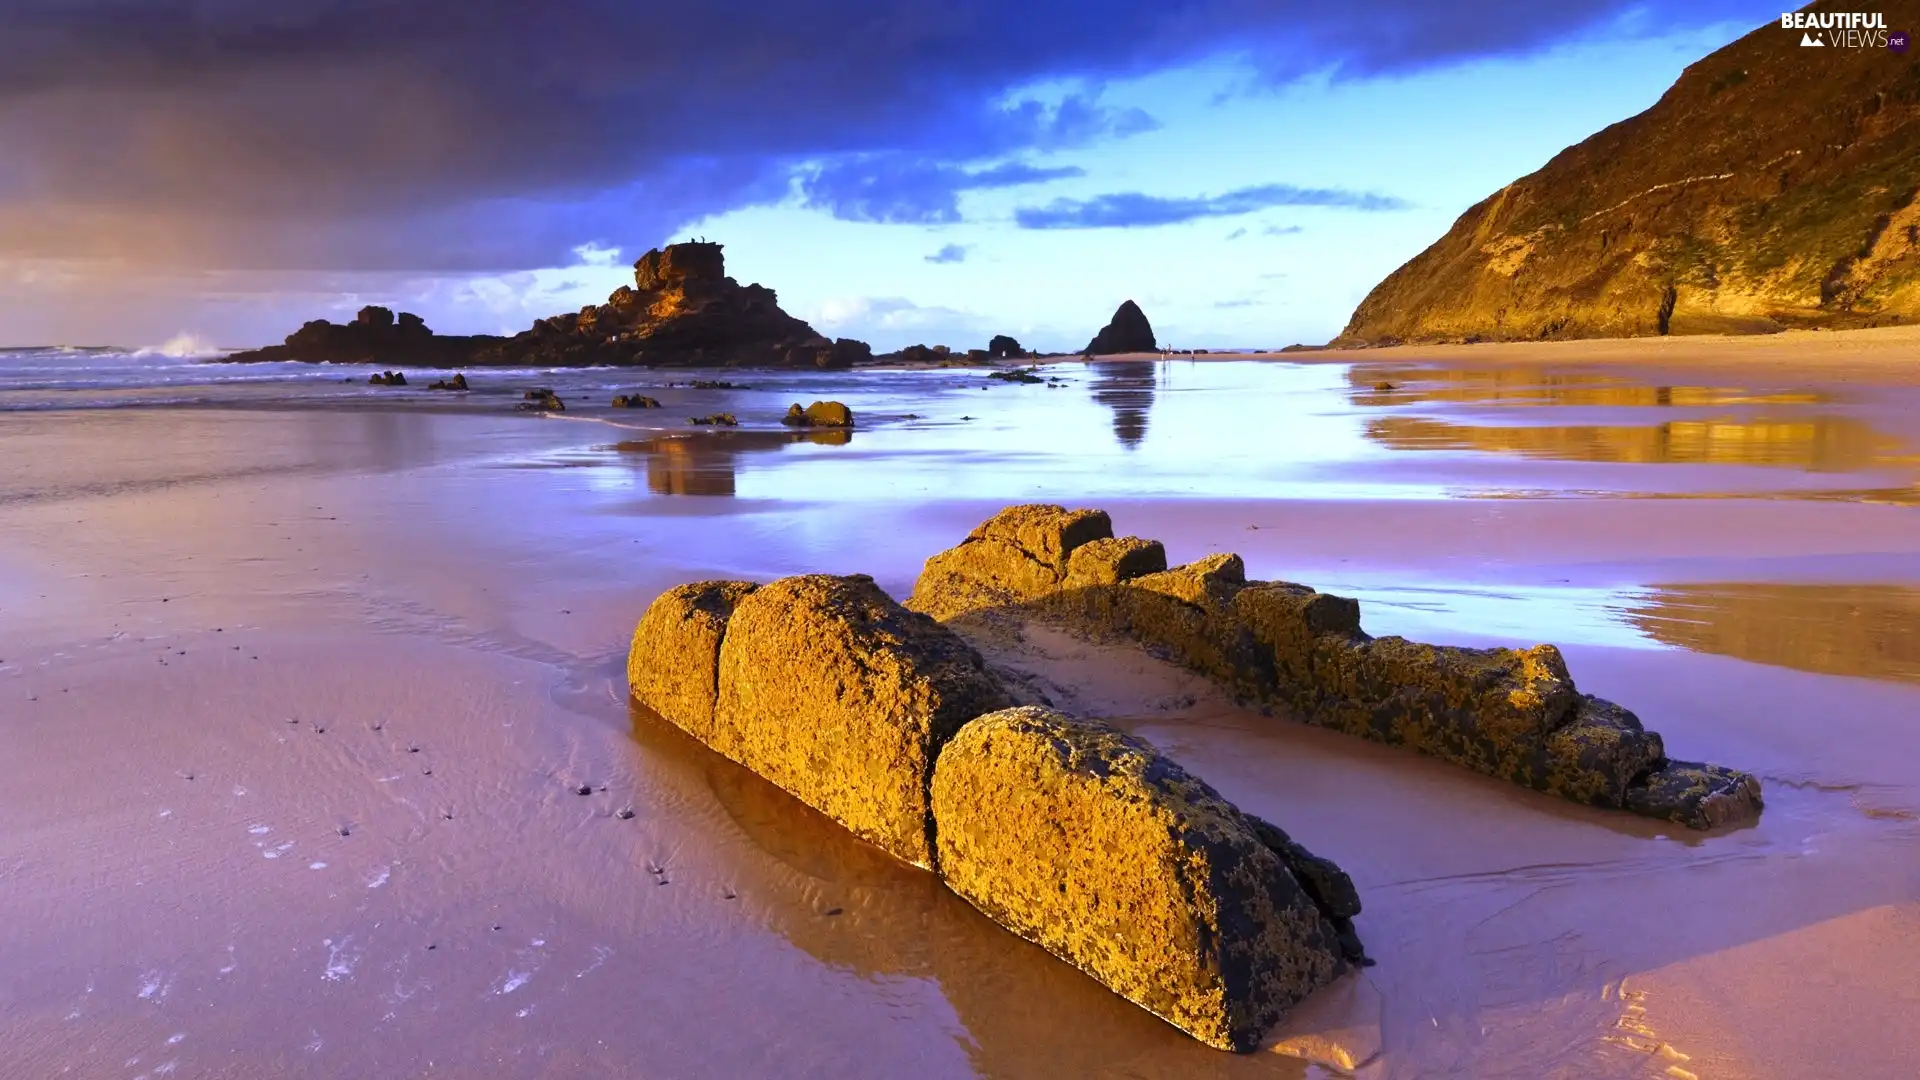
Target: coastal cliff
(1773, 186)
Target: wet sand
(296, 706)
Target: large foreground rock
(674, 664)
(1514, 714)
(1092, 845)
(832, 690)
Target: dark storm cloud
(1132, 210)
(487, 134)
(911, 190)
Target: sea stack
(1127, 332)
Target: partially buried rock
(833, 691)
(1089, 843)
(458, 382)
(830, 414)
(1695, 795)
(723, 419)
(635, 401)
(542, 399)
(674, 664)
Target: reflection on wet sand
(1815, 443)
(1126, 387)
(1872, 631)
(850, 906)
(706, 464)
(1537, 386)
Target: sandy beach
(300, 688)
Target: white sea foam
(182, 346)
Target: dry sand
(295, 710)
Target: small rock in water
(625, 813)
(583, 789)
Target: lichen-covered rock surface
(1091, 844)
(1510, 713)
(832, 690)
(674, 664)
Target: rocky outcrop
(1771, 187)
(1069, 833)
(458, 382)
(1127, 332)
(719, 419)
(832, 690)
(541, 399)
(1003, 347)
(682, 310)
(1514, 714)
(635, 401)
(387, 378)
(374, 336)
(825, 414)
(1095, 847)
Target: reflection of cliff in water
(1126, 387)
(1815, 443)
(1871, 631)
(707, 463)
(1519, 385)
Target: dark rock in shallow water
(1696, 795)
(458, 382)
(635, 401)
(1127, 332)
(542, 400)
(387, 378)
(828, 414)
(725, 419)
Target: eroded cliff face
(1772, 186)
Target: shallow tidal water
(201, 567)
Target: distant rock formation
(1003, 347)
(374, 336)
(1127, 332)
(681, 311)
(1771, 187)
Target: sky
(1245, 170)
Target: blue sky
(1244, 170)
(1436, 141)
